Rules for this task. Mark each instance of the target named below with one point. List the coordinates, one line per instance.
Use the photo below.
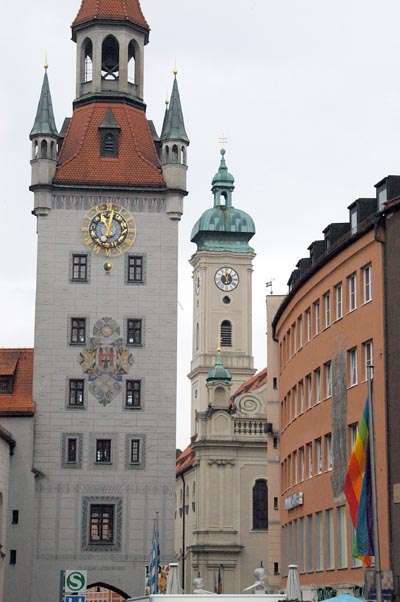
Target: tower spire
(174, 125)
(44, 122)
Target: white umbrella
(293, 591)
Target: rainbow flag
(357, 489)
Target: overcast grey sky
(306, 91)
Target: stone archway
(102, 592)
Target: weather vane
(269, 285)
(223, 141)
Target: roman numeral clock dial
(109, 229)
(226, 279)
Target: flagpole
(378, 583)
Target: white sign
(75, 582)
(293, 501)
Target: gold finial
(175, 71)
(46, 65)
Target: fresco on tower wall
(105, 360)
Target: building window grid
(133, 394)
(317, 378)
(328, 379)
(103, 451)
(72, 450)
(79, 268)
(352, 286)
(260, 505)
(6, 384)
(327, 303)
(339, 301)
(76, 389)
(367, 283)
(317, 317)
(134, 332)
(135, 268)
(101, 529)
(78, 331)
(135, 451)
(353, 367)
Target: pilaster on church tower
(222, 290)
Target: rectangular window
(329, 540)
(78, 331)
(276, 568)
(135, 268)
(353, 367)
(103, 451)
(317, 317)
(368, 357)
(353, 220)
(6, 385)
(294, 338)
(15, 517)
(309, 390)
(295, 542)
(101, 528)
(341, 536)
(301, 460)
(300, 330)
(318, 455)
(133, 397)
(309, 544)
(308, 324)
(328, 379)
(309, 460)
(72, 450)
(295, 481)
(367, 283)
(301, 542)
(327, 304)
(75, 398)
(79, 268)
(328, 451)
(301, 396)
(317, 379)
(294, 402)
(352, 288)
(319, 550)
(353, 436)
(276, 504)
(275, 383)
(135, 451)
(134, 332)
(13, 556)
(339, 301)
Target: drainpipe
(183, 531)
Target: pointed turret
(219, 373)
(174, 143)
(45, 123)
(44, 138)
(174, 125)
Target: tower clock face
(109, 229)
(226, 279)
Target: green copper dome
(219, 373)
(223, 227)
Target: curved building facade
(330, 328)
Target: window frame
(367, 283)
(328, 379)
(78, 331)
(103, 447)
(328, 451)
(226, 337)
(7, 388)
(339, 301)
(73, 392)
(353, 368)
(135, 279)
(134, 387)
(134, 332)
(318, 455)
(327, 307)
(368, 361)
(317, 317)
(260, 505)
(308, 324)
(352, 291)
(317, 381)
(81, 267)
(101, 541)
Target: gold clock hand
(110, 222)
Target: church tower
(222, 292)
(108, 196)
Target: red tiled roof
(185, 460)
(255, 382)
(80, 162)
(20, 400)
(117, 10)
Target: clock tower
(222, 292)
(108, 196)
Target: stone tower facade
(108, 196)
(222, 290)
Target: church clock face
(109, 229)
(226, 279)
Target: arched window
(35, 150)
(194, 496)
(226, 334)
(183, 154)
(187, 500)
(88, 60)
(167, 154)
(260, 504)
(132, 59)
(175, 154)
(43, 149)
(110, 59)
(52, 150)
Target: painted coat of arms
(105, 360)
